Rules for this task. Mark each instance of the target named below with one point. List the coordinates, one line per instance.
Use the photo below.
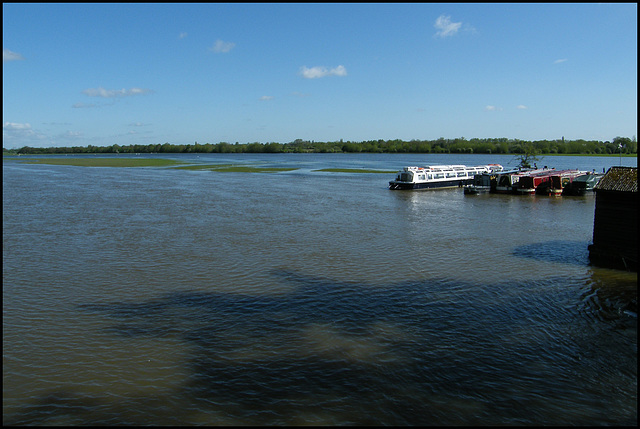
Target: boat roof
(456, 167)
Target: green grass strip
(245, 169)
(153, 162)
(201, 167)
(354, 170)
(103, 162)
(226, 168)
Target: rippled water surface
(164, 296)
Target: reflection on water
(165, 297)
(567, 252)
(336, 352)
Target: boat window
(462, 174)
(430, 176)
(420, 176)
(439, 175)
(451, 174)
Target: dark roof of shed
(623, 179)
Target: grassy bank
(226, 168)
(355, 170)
(147, 162)
(103, 162)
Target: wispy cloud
(15, 126)
(182, 35)
(221, 47)
(115, 93)
(521, 107)
(266, 98)
(15, 134)
(445, 27)
(490, 108)
(561, 60)
(318, 72)
(70, 135)
(8, 55)
(83, 106)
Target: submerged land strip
(179, 165)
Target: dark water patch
(612, 296)
(380, 355)
(557, 251)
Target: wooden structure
(615, 226)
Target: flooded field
(301, 291)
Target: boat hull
(475, 190)
(457, 183)
(526, 191)
(504, 190)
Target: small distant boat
(582, 185)
(439, 176)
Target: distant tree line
(622, 145)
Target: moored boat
(481, 184)
(529, 183)
(556, 183)
(508, 183)
(486, 182)
(582, 185)
(439, 176)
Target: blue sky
(103, 74)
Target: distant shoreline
(475, 146)
(16, 154)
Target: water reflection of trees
(332, 352)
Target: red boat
(507, 182)
(529, 184)
(558, 183)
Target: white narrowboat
(439, 176)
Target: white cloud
(7, 55)
(266, 98)
(222, 47)
(71, 135)
(318, 72)
(521, 107)
(561, 60)
(182, 35)
(111, 93)
(490, 108)
(446, 27)
(16, 134)
(11, 126)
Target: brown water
(158, 296)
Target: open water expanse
(161, 296)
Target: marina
(547, 182)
